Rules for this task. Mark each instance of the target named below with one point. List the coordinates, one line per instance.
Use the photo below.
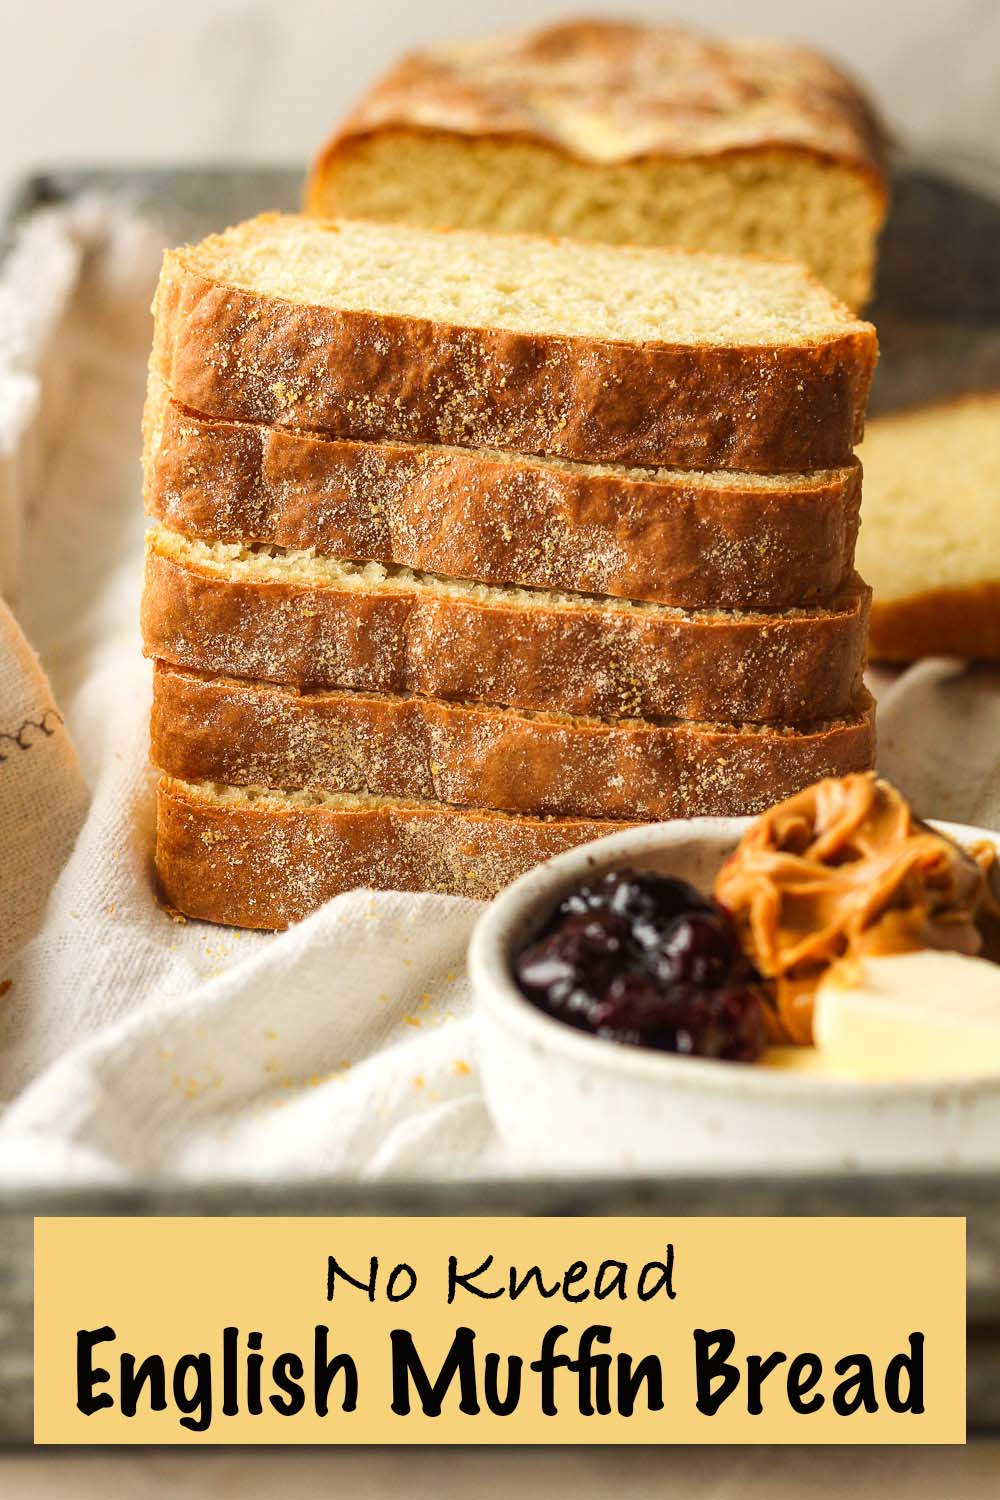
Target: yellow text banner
(465, 1330)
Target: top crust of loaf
(526, 283)
(614, 91)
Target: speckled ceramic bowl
(562, 1098)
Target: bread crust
(243, 356)
(252, 734)
(961, 622)
(267, 864)
(670, 538)
(638, 78)
(623, 662)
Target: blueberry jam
(646, 959)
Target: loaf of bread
(673, 536)
(592, 352)
(253, 857)
(310, 621)
(930, 543)
(220, 729)
(473, 547)
(624, 132)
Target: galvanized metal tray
(938, 314)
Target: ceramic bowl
(561, 1098)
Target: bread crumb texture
(626, 133)
(527, 284)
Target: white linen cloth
(132, 1045)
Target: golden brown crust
(503, 519)
(941, 622)
(265, 864)
(622, 662)
(252, 734)
(247, 357)
(614, 91)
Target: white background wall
(171, 80)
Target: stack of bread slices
(470, 547)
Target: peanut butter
(841, 870)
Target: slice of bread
(220, 729)
(624, 132)
(669, 535)
(311, 621)
(589, 352)
(930, 542)
(252, 857)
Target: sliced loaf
(589, 352)
(674, 536)
(311, 621)
(251, 857)
(252, 734)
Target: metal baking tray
(938, 315)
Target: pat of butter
(911, 1015)
(797, 1060)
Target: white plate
(562, 1098)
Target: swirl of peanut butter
(841, 870)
